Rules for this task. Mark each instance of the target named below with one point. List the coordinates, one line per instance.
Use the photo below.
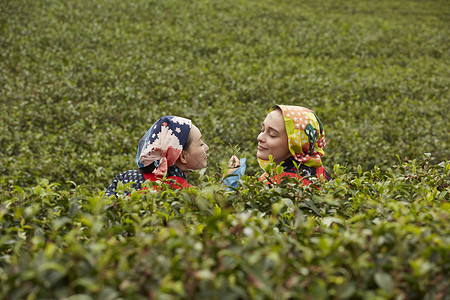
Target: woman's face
(273, 138)
(195, 156)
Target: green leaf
(384, 281)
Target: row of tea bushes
(364, 235)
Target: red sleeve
(179, 183)
(321, 174)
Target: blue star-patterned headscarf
(163, 143)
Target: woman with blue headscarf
(169, 149)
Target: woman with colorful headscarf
(295, 138)
(169, 149)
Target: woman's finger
(234, 162)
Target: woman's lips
(261, 148)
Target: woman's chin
(261, 156)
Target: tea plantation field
(81, 81)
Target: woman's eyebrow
(273, 129)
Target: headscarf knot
(162, 143)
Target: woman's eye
(271, 133)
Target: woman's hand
(233, 164)
(236, 168)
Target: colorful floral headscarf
(163, 143)
(306, 136)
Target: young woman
(170, 148)
(295, 138)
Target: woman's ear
(182, 157)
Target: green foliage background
(81, 81)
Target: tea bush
(81, 82)
(367, 235)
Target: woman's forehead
(275, 120)
(195, 132)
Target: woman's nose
(206, 148)
(260, 137)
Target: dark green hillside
(81, 81)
